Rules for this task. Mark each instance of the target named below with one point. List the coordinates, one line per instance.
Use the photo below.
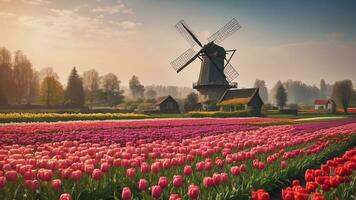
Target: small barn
(167, 104)
(325, 105)
(241, 99)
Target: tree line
(297, 92)
(21, 84)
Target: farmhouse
(241, 99)
(325, 104)
(167, 104)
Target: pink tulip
(97, 174)
(156, 191)
(11, 175)
(187, 170)
(2, 181)
(283, 164)
(65, 196)
(177, 181)
(163, 182)
(174, 197)
(193, 192)
(143, 184)
(126, 193)
(56, 184)
(105, 167)
(208, 182)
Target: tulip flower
(143, 184)
(156, 191)
(65, 196)
(193, 192)
(126, 193)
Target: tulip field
(204, 159)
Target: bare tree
(110, 89)
(22, 76)
(137, 89)
(281, 96)
(261, 84)
(47, 72)
(342, 93)
(6, 81)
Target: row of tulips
(138, 131)
(54, 117)
(218, 166)
(335, 179)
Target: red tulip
(174, 197)
(105, 167)
(283, 164)
(163, 182)
(155, 167)
(318, 196)
(145, 167)
(65, 196)
(193, 192)
(156, 191)
(296, 182)
(235, 171)
(11, 175)
(130, 172)
(143, 184)
(187, 170)
(126, 193)
(208, 182)
(56, 184)
(97, 174)
(177, 181)
(2, 181)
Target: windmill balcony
(196, 85)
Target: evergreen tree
(322, 89)
(281, 96)
(75, 93)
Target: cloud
(119, 8)
(7, 15)
(36, 2)
(70, 24)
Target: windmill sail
(187, 33)
(184, 59)
(230, 72)
(231, 27)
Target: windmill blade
(187, 33)
(184, 60)
(230, 72)
(231, 27)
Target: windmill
(216, 73)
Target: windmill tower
(216, 73)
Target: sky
(279, 39)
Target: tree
(75, 93)
(22, 76)
(34, 88)
(91, 85)
(110, 90)
(261, 84)
(191, 102)
(342, 93)
(137, 89)
(322, 89)
(51, 92)
(151, 94)
(281, 96)
(46, 72)
(6, 81)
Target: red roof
(321, 101)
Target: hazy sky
(306, 40)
